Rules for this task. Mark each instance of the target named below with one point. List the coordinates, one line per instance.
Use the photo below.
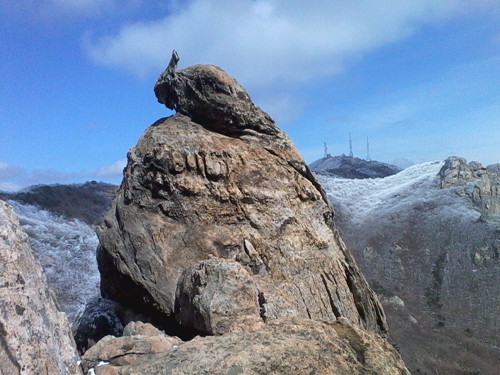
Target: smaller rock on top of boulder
(211, 97)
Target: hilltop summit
(351, 167)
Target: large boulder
(220, 180)
(35, 337)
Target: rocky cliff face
(34, 335)
(220, 180)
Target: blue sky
(419, 78)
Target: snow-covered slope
(380, 198)
(66, 249)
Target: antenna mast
(326, 151)
(368, 150)
(350, 147)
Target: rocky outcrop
(35, 337)
(220, 180)
(210, 97)
(456, 172)
(140, 343)
(480, 184)
(299, 347)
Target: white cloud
(113, 170)
(267, 42)
(269, 46)
(8, 171)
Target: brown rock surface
(217, 296)
(128, 350)
(298, 347)
(35, 337)
(219, 179)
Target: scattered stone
(141, 329)
(128, 350)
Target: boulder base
(298, 347)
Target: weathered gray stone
(35, 337)
(101, 317)
(480, 184)
(456, 172)
(219, 179)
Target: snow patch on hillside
(66, 250)
(379, 198)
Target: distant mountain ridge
(351, 167)
(86, 202)
(428, 241)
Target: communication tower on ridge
(326, 152)
(350, 147)
(368, 157)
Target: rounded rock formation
(220, 180)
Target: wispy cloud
(9, 171)
(13, 178)
(9, 187)
(268, 41)
(456, 114)
(113, 170)
(48, 11)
